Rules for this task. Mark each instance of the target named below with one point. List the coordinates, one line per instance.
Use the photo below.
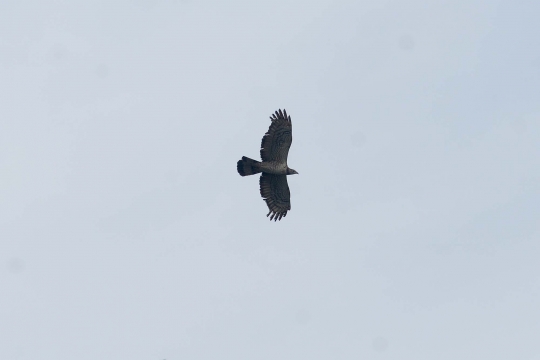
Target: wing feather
(277, 140)
(275, 191)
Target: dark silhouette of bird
(273, 167)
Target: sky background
(126, 232)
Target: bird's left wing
(275, 191)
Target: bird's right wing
(275, 191)
(277, 140)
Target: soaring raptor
(274, 151)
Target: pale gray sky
(126, 233)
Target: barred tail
(248, 166)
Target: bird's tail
(248, 166)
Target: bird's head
(291, 171)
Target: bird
(273, 167)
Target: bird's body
(274, 152)
(274, 167)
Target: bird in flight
(273, 167)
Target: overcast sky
(126, 232)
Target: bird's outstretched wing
(275, 191)
(277, 140)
